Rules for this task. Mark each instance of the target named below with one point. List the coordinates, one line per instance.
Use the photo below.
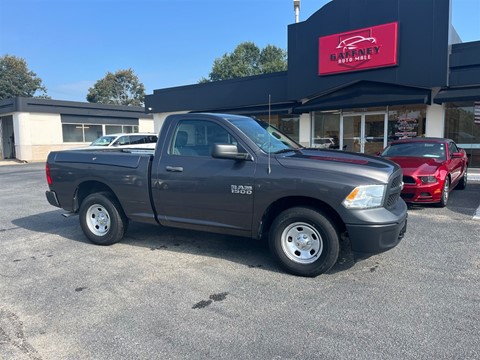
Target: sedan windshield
(267, 137)
(416, 149)
(103, 141)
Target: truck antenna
(269, 170)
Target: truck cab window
(196, 138)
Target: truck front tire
(305, 241)
(102, 219)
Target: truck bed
(127, 174)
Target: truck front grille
(394, 189)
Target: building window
(81, 132)
(89, 132)
(288, 124)
(406, 121)
(460, 126)
(326, 130)
(117, 129)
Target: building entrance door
(7, 142)
(363, 132)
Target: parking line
(476, 216)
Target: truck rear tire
(102, 219)
(304, 241)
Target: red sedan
(432, 167)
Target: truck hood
(358, 165)
(417, 165)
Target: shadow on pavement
(245, 251)
(463, 202)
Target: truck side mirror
(227, 151)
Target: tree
(121, 88)
(17, 80)
(247, 59)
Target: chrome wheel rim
(446, 188)
(302, 243)
(98, 220)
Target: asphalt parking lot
(174, 294)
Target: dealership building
(360, 73)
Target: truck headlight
(365, 197)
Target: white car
(324, 143)
(131, 140)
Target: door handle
(174, 168)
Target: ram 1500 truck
(239, 176)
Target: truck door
(192, 189)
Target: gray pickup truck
(239, 176)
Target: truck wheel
(305, 241)
(102, 219)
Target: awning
(459, 94)
(365, 94)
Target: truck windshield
(268, 138)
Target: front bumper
(373, 239)
(429, 193)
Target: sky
(71, 44)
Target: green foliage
(120, 88)
(247, 59)
(17, 80)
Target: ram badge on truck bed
(240, 176)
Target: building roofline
(25, 104)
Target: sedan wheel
(463, 181)
(445, 192)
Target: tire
(463, 181)
(102, 219)
(445, 193)
(304, 241)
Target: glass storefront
(406, 121)
(326, 130)
(288, 124)
(460, 126)
(367, 130)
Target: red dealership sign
(358, 49)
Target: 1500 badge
(242, 189)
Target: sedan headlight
(365, 197)
(428, 179)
